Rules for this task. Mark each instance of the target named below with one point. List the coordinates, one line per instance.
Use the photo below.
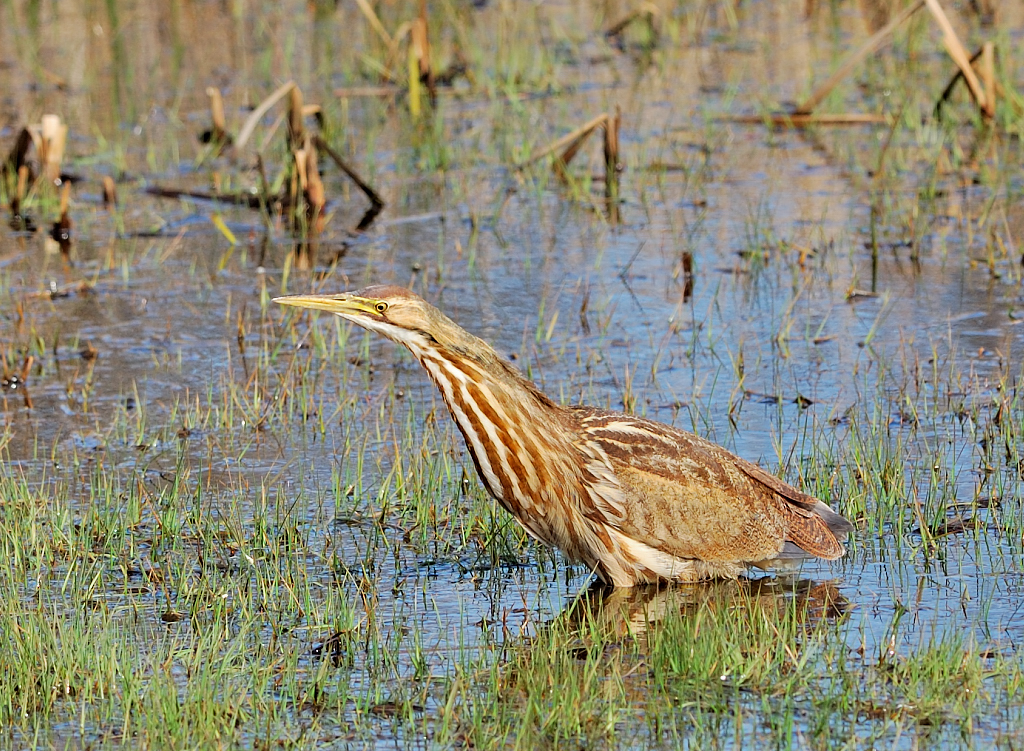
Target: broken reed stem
(871, 45)
(26, 368)
(53, 138)
(243, 198)
(420, 69)
(19, 152)
(315, 186)
(257, 114)
(572, 142)
(375, 23)
(957, 52)
(619, 26)
(611, 165)
(22, 183)
(988, 78)
(611, 144)
(384, 70)
(217, 113)
(271, 132)
(571, 150)
(293, 187)
(109, 192)
(300, 167)
(567, 140)
(65, 199)
(648, 10)
(295, 128)
(370, 193)
(315, 194)
(957, 77)
(61, 231)
(421, 40)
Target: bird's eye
(380, 307)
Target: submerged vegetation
(224, 525)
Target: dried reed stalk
(26, 368)
(375, 23)
(300, 167)
(268, 136)
(572, 142)
(65, 200)
(53, 138)
(219, 130)
(853, 60)
(957, 77)
(314, 191)
(988, 78)
(569, 140)
(420, 69)
(62, 227)
(611, 165)
(17, 196)
(650, 11)
(18, 154)
(22, 188)
(243, 198)
(369, 192)
(611, 145)
(109, 192)
(296, 135)
(421, 41)
(957, 52)
(257, 114)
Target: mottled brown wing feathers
(671, 453)
(787, 491)
(710, 458)
(810, 533)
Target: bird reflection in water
(659, 649)
(615, 613)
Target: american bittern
(634, 500)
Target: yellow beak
(339, 304)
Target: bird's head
(395, 312)
(404, 317)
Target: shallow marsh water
(224, 523)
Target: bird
(634, 500)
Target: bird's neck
(487, 380)
(508, 423)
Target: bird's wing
(602, 493)
(836, 523)
(773, 483)
(687, 496)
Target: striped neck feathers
(455, 349)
